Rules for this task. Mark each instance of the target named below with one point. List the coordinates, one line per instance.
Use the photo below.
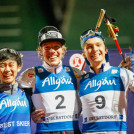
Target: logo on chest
(98, 83)
(13, 103)
(56, 82)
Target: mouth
(53, 58)
(95, 56)
(7, 76)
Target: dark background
(20, 21)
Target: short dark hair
(9, 53)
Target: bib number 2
(61, 98)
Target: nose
(7, 68)
(95, 48)
(52, 50)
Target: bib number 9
(100, 100)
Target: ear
(83, 54)
(106, 50)
(63, 49)
(19, 68)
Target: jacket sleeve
(27, 78)
(127, 77)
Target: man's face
(8, 71)
(52, 52)
(94, 50)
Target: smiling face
(53, 52)
(8, 71)
(94, 50)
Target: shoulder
(28, 73)
(124, 71)
(27, 76)
(78, 73)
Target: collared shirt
(51, 69)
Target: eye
(46, 48)
(11, 64)
(56, 47)
(1, 65)
(89, 47)
(98, 44)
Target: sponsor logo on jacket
(99, 83)
(12, 103)
(57, 82)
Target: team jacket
(14, 113)
(104, 101)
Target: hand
(84, 72)
(126, 64)
(37, 114)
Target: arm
(126, 64)
(127, 77)
(28, 78)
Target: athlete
(14, 101)
(54, 87)
(103, 89)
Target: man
(103, 89)
(54, 87)
(14, 102)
